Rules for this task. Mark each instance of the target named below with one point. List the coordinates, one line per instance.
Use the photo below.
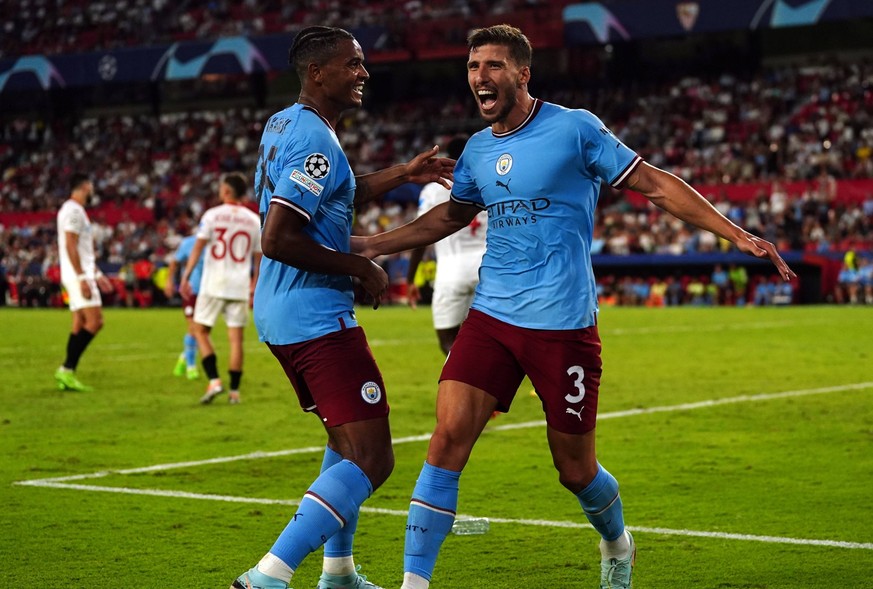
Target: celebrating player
(304, 302)
(537, 171)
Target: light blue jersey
(301, 166)
(540, 183)
(183, 252)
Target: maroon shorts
(335, 377)
(563, 365)
(188, 304)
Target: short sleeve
(605, 155)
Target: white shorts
(451, 302)
(207, 309)
(74, 292)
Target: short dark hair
(456, 146)
(237, 182)
(77, 179)
(519, 46)
(315, 45)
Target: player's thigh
(565, 368)
(482, 357)
(77, 299)
(335, 376)
(207, 309)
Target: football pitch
(742, 440)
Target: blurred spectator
(739, 278)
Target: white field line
(499, 520)
(65, 482)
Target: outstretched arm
(440, 221)
(423, 168)
(680, 200)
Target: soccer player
(304, 302)
(537, 170)
(80, 277)
(458, 257)
(229, 239)
(186, 364)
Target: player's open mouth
(487, 99)
(358, 89)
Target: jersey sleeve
(73, 221)
(464, 189)
(605, 155)
(307, 170)
(204, 229)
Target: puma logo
(576, 413)
(506, 186)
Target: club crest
(504, 164)
(371, 392)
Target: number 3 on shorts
(579, 373)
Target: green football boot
(67, 381)
(179, 368)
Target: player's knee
(376, 465)
(449, 451)
(575, 477)
(93, 324)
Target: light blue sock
(431, 514)
(190, 350)
(331, 501)
(340, 544)
(602, 505)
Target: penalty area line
(497, 520)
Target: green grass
(704, 485)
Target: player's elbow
(271, 246)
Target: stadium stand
(785, 148)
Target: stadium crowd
(806, 127)
(52, 27)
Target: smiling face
(343, 76)
(498, 84)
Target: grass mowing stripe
(63, 482)
(700, 328)
(504, 427)
(402, 513)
